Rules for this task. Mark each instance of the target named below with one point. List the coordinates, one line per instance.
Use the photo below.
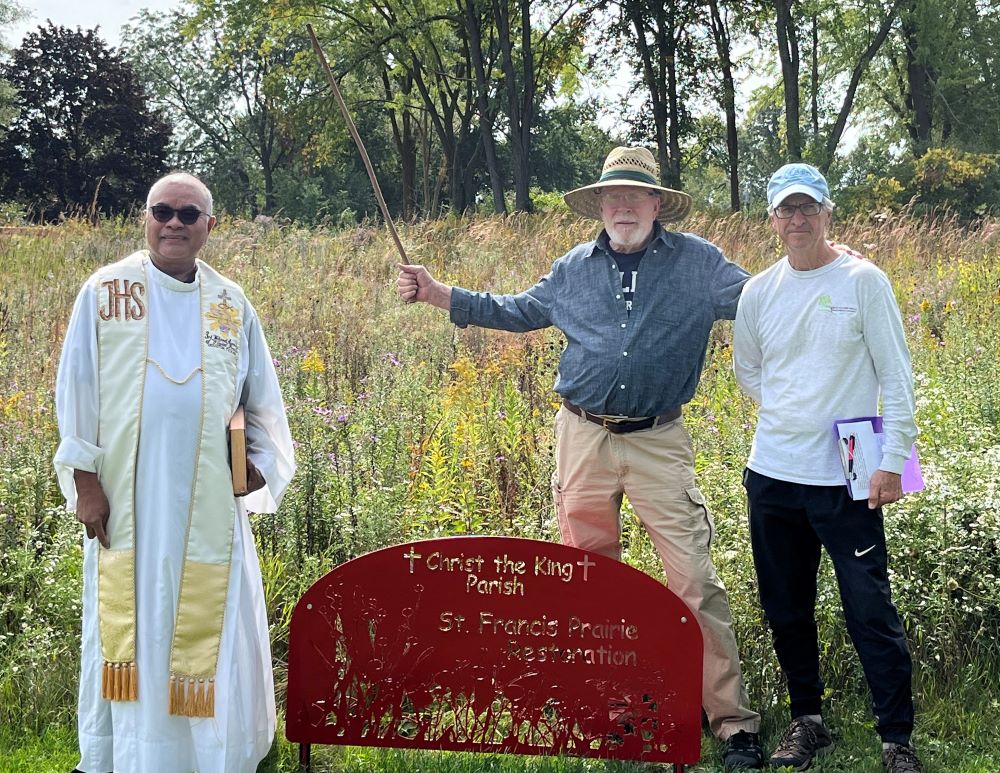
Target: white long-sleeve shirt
(815, 346)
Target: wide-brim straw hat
(636, 168)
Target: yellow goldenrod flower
(11, 403)
(313, 363)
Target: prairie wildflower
(464, 368)
(11, 403)
(312, 363)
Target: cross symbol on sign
(412, 555)
(586, 563)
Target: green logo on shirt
(825, 302)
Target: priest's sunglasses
(187, 215)
(809, 209)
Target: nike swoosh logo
(859, 553)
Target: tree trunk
(788, 52)
(528, 89)
(486, 113)
(267, 169)
(408, 156)
(655, 80)
(814, 86)
(442, 118)
(723, 42)
(406, 145)
(520, 119)
(919, 88)
(669, 36)
(424, 135)
(833, 140)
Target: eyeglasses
(187, 215)
(809, 208)
(618, 198)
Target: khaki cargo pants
(655, 468)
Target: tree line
(490, 104)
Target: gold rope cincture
(171, 379)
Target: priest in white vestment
(160, 351)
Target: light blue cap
(796, 178)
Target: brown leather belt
(619, 426)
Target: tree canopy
(84, 139)
(490, 104)
(9, 13)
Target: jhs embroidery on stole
(223, 324)
(124, 300)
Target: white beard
(627, 238)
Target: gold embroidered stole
(122, 351)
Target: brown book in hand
(238, 451)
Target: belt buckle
(612, 421)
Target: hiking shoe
(899, 758)
(743, 752)
(802, 741)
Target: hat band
(637, 177)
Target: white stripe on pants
(655, 468)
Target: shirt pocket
(668, 316)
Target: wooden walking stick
(357, 141)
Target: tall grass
(406, 428)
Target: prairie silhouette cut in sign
(495, 644)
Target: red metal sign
(496, 644)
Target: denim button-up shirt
(642, 363)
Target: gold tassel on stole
(192, 696)
(174, 694)
(120, 681)
(133, 689)
(192, 687)
(200, 703)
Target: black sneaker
(897, 758)
(803, 740)
(743, 752)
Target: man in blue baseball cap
(818, 337)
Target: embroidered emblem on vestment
(124, 301)
(224, 318)
(218, 342)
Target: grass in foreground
(957, 732)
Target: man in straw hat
(636, 305)
(819, 337)
(175, 661)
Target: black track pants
(789, 522)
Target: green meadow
(407, 428)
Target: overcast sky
(109, 14)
